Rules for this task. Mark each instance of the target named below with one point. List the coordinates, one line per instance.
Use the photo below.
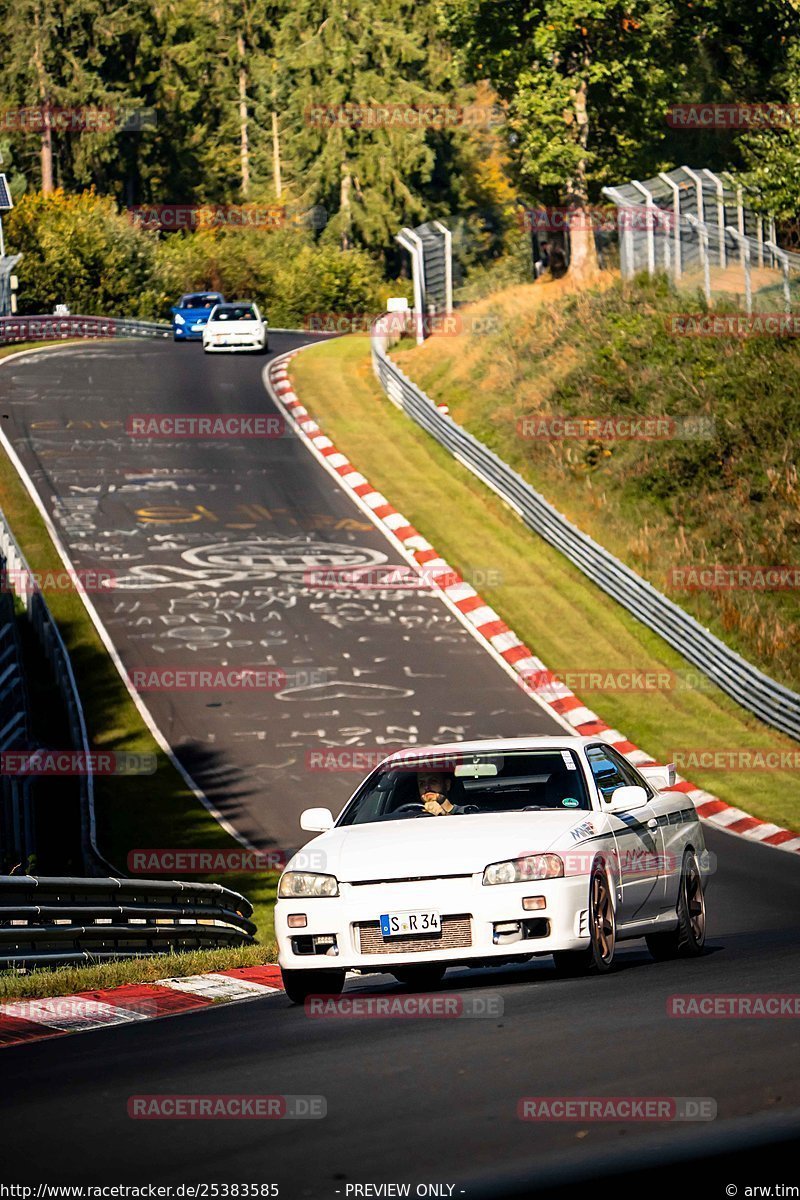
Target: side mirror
(625, 799)
(319, 820)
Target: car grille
(456, 934)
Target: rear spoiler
(658, 776)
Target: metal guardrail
(19, 578)
(17, 835)
(50, 328)
(769, 700)
(52, 921)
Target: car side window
(605, 771)
(632, 778)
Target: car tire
(299, 985)
(602, 922)
(688, 939)
(599, 954)
(420, 979)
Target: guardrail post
(783, 259)
(744, 253)
(702, 234)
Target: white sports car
(486, 852)
(237, 326)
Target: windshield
(235, 312)
(200, 300)
(527, 781)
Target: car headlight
(519, 870)
(179, 319)
(295, 884)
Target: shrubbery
(81, 251)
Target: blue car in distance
(190, 314)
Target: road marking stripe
(216, 986)
(70, 1012)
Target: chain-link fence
(701, 229)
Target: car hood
(436, 846)
(193, 314)
(233, 326)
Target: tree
(589, 83)
(772, 150)
(339, 56)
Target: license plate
(405, 924)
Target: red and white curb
(491, 630)
(34, 1020)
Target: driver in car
(433, 792)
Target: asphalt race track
(428, 1101)
(210, 543)
(433, 1100)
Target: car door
(638, 839)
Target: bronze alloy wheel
(688, 938)
(602, 922)
(695, 901)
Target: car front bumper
(471, 914)
(234, 347)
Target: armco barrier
(48, 922)
(17, 836)
(52, 329)
(769, 700)
(21, 580)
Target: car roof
(238, 303)
(492, 746)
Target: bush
(79, 250)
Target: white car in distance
(488, 852)
(236, 326)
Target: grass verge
(718, 485)
(65, 981)
(568, 622)
(133, 813)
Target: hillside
(718, 483)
